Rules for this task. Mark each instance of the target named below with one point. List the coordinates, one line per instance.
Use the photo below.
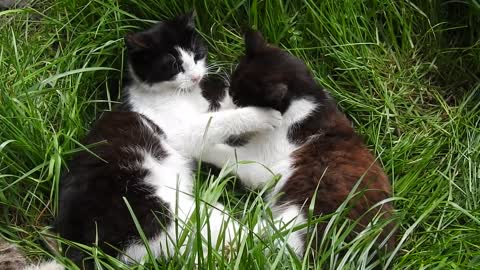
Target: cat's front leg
(220, 155)
(235, 122)
(216, 127)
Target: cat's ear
(137, 41)
(276, 93)
(254, 42)
(188, 19)
(192, 15)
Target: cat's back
(330, 163)
(116, 144)
(92, 192)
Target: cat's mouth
(194, 82)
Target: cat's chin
(186, 90)
(163, 87)
(189, 89)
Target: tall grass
(406, 72)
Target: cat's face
(267, 76)
(170, 55)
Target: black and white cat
(315, 150)
(145, 152)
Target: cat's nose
(196, 78)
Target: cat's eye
(199, 56)
(169, 59)
(173, 62)
(177, 66)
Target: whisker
(213, 67)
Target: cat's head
(170, 55)
(267, 76)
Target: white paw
(266, 119)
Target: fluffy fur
(144, 154)
(11, 258)
(315, 149)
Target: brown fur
(330, 164)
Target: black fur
(91, 193)
(213, 90)
(270, 77)
(153, 58)
(152, 54)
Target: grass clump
(406, 72)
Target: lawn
(406, 72)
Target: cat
(315, 150)
(144, 151)
(11, 4)
(173, 60)
(12, 258)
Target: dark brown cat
(316, 151)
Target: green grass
(406, 72)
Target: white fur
(194, 71)
(184, 81)
(172, 180)
(50, 265)
(270, 153)
(286, 219)
(179, 109)
(227, 102)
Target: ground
(406, 72)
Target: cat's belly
(176, 127)
(173, 114)
(171, 123)
(172, 179)
(270, 148)
(270, 154)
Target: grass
(406, 72)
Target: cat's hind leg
(283, 227)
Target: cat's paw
(266, 119)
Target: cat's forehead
(271, 62)
(185, 52)
(274, 56)
(165, 36)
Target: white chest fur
(170, 110)
(273, 149)
(269, 152)
(176, 113)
